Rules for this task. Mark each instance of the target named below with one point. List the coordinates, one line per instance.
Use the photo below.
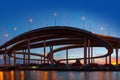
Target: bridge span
(52, 36)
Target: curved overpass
(58, 35)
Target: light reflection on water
(58, 75)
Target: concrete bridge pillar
(23, 56)
(109, 59)
(88, 51)
(41, 59)
(85, 51)
(116, 55)
(14, 52)
(5, 56)
(106, 60)
(44, 49)
(28, 51)
(9, 59)
(66, 56)
(51, 55)
(91, 54)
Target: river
(58, 75)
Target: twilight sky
(99, 13)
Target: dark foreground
(63, 67)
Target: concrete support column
(116, 55)
(23, 56)
(88, 51)
(66, 56)
(14, 58)
(26, 56)
(51, 55)
(44, 47)
(28, 51)
(85, 51)
(109, 59)
(51, 49)
(41, 59)
(5, 56)
(9, 59)
(91, 54)
(106, 60)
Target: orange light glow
(22, 75)
(12, 75)
(1, 75)
(113, 63)
(45, 74)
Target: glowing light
(15, 28)
(114, 35)
(55, 14)
(45, 75)
(22, 75)
(83, 18)
(30, 20)
(102, 28)
(93, 32)
(114, 63)
(6, 35)
(1, 76)
(12, 75)
(33, 67)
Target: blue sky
(16, 13)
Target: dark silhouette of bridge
(58, 35)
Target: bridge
(52, 36)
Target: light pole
(30, 21)
(6, 36)
(83, 19)
(102, 29)
(15, 30)
(114, 35)
(68, 23)
(5, 56)
(55, 14)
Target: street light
(114, 35)
(68, 22)
(15, 30)
(102, 29)
(6, 36)
(30, 21)
(83, 19)
(55, 14)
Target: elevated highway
(52, 36)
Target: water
(58, 75)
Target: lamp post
(114, 35)
(102, 29)
(15, 30)
(6, 36)
(5, 56)
(30, 22)
(55, 14)
(83, 19)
